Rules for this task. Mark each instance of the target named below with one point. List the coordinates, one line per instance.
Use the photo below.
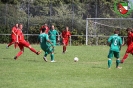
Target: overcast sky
(131, 1)
(130, 4)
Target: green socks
(52, 57)
(45, 55)
(109, 63)
(117, 62)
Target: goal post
(104, 27)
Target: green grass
(30, 70)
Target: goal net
(99, 29)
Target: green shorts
(53, 42)
(48, 50)
(113, 53)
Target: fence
(104, 26)
(31, 15)
(75, 40)
(71, 14)
(61, 15)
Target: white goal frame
(87, 23)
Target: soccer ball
(75, 59)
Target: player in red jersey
(129, 45)
(13, 36)
(23, 43)
(65, 35)
(44, 26)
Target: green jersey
(43, 41)
(52, 34)
(115, 42)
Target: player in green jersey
(53, 34)
(115, 43)
(46, 45)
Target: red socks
(19, 53)
(64, 48)
(33, 50)
(10, 44)
(125, 57)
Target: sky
(131, 3)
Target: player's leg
(52, 57)
(63, 42)
(110, 56)
(64, 45)
(124, 57)
(64, 48)
(117, 62)
(51, 50)
(67, 44)
(45, 56)
(45, 53)
(129, 50)
(26, 44)
(21, 47)
(117, 56)
(12, 42)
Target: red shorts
(129, 49)
(23, 44)
(13, 39)
(13, 36)
(65, 41)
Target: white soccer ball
(76, 59)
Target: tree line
(73, 13)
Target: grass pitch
(31, 71)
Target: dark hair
(128, 29)
(117, 31)
(43, 29)
(19, 24)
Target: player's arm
(69, 35)
(13, 31)
(49, 41)
(49, 33)
(121, 43)
(58, 36)
(38, 40)
(61, 36)
(124, 43)
(17, 37)
(40, 30)
(109, 41)
(120, 47)
(131, 34)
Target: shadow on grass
(32, 60)
(23, 60)
(8, 58)
(99, 67)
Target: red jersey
(130, 38)
(14, 30)
(47, 29)
(66, 34)
(20, 35)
